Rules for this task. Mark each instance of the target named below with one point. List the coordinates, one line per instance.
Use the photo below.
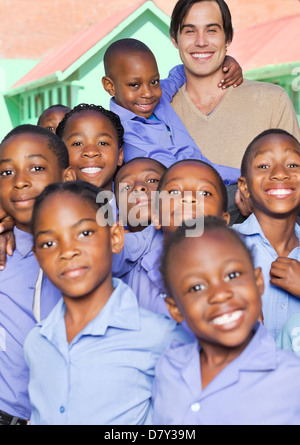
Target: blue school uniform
(278, 305)
(21, 306)
(138, 266)
(104, 376)
(289, 336)
(163, 136)
(259, 387)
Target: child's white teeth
(279, 192)
(227, 318)
(91, 170)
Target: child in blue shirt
(271, 178)
(232, 374)
(151, 126)
(92, 360)
(138, 262)
(30, 158)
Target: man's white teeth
(279, 192)
(202, 55)
(227, 318)
(91, 170)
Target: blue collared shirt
(165, 138)
(17, 289)
(259, 387)
(104, 376)
(138, 266)
(289, 336)
(278, 305)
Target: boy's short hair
(182, 8)
(60, 106)
(114, 118)
(55, 144)
(217, 175)
(84, 190)
(251, 146)
(211, 223)
(119, 47)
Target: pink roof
(63, 57)
(270, 43)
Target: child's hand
(7, 239)
(285, 273)
(234, 74)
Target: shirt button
(226, 182)
(62, 409)
(195, 407)
(283, 306)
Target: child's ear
(108, 85)
(117, 237)
(121, 157)
(259, 278)
(173, 309)
(226, 217)
(69, 174)
(243, 187)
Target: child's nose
(91, 151)
(280, 172)
(21, 180)
(220, 292)
(146, 91)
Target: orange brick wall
(30, 29)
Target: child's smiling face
(273, 175)
(74, 251)
(215, 288)
(135, 83)
(134, 184)
(27, 167)
(195, 191)
(92, 144)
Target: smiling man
(221, 121)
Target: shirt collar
(24, 241)
(251, 226)
(120, 311)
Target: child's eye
(174, 192)
(50, 128)
(205, 193)
(155, 82)
(232, 275)
(197, 288)
(103, 143)
(76, 144)
(293, 165)
(86, 233)
(47, 245)
(133, 85)
(263, 166)
(153, 180)
(6, 173)
(38, 168)
(126, 188)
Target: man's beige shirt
(239, 117)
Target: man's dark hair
(182, 8)
(55, 144)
